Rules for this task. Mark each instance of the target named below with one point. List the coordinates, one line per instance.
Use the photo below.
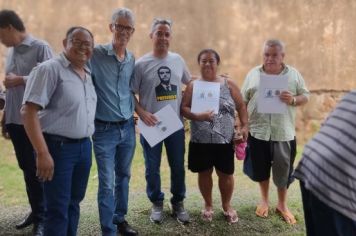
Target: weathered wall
(311, 116)
(320, 35)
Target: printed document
(269, 90)
(205, 97)
(168, 123)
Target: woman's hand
(205, 116)
(244, 132)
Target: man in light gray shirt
(25, 52)
(58, 112)
(154, 68)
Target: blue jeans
(72, 162)
(114, 148)
(320, 219)
(26, 159)
(175, 148)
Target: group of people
(57, 108)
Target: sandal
(287, 216)
(262, 211)
(231, 216)
(207, 215)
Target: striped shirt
(68, 102)
(328, 166)
(20, 61)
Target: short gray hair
(124, 13)
(161, 21)
(273, 43)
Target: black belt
(61, 139)
(121, 122)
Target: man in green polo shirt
(271, 142)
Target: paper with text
(168, 123)
(205, 97)
(270, 88)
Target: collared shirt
(275, 127)
(68, 102)
(20, 61)
(112, 83)
(328, 165)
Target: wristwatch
(294, 102)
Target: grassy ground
(13, 204)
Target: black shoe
(125, 229)
(38, 229)
(27, 221)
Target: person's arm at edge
(44, 161)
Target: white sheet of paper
(205, 96)
(168, 123)
(268, 94)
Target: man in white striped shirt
(327, 173)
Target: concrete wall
(311, 116)
(319, 34)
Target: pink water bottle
(240, 151)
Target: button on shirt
(112, 83)
(275, 127)
(68, 102)
(20, 61)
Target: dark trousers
(72, 162)
(321, 220)
(27, 162)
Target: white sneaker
(157, 212)
(180, 213)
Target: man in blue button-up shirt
(114, 138)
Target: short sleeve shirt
(275, 127)
(68, 102)
(147, 82)
(112, 78)
(20, 61)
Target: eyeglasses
(81, 44)
(121, 28)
